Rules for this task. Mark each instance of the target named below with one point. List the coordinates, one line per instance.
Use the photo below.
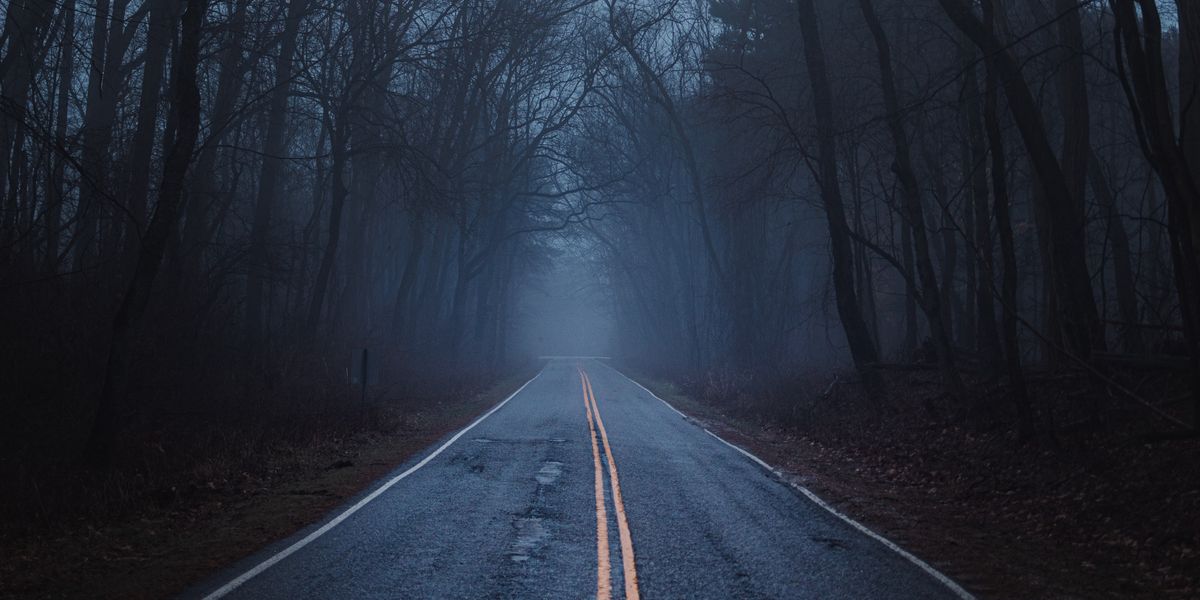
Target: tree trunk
(1072, 282)
(458, 302)
(1189, 119)
(1138, 40)
(858, 335)
(25, 25)
(865, 287)
(57, 186)
(186, 105)
(338, 145)
(929, 297)
(499, 346)
(366, 166)
(428, 310)
(1073, 104)
(109, 42)
(987, 336)
(158, 42)
(1000, 205)
(268, 183)
(1127, 302)
(910, 292)
(400, 311)
(187, 262)
(699, 201)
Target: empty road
(581, 485)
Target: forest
(862, 215)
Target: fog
(257, 188)
(903, 224)
(567, 310)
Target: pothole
(549, 472)
(531, 535)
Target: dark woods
(209, 206)
(985, 190)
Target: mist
(567, 310)
(933, 252)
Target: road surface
(581, 485)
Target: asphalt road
(509, 510)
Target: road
(562, 493)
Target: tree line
(985, 187)
(218, 195)
(202, 200)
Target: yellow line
(603, 568)
(627, 559)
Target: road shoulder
(951, 501)
(159, 550)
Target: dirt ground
(215, 514)
(1102, 512)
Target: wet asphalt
(509, 511)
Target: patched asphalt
(508, 511)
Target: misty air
(664, 299)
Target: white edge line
(286, 552)
(938, 575)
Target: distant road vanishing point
(582, 484)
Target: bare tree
(185, 105)
(857, 334)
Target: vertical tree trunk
(1127, 302)
(1072, 281)
(1189, 119)
(744, 341)
(428, 308)
(338, 145)
(416, 250)
(109, 42)
(186, 105)
(1076, 119)
(987, 336)
(699, 201)
(186, 264)
(968, 327)
(1052, 331)
(1138, 37)
(499, 351)
(458, 301)
(858, 335)
(910, 292)
(1000, 205)
(268, 183)
(57, 186)
(25, 24)
(158, 42)
(367, 167)
(1073, 104)
(486, 290)
(945, 237)
(311, 235)
(929, 297)
(863, 271)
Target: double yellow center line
(603, 568)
